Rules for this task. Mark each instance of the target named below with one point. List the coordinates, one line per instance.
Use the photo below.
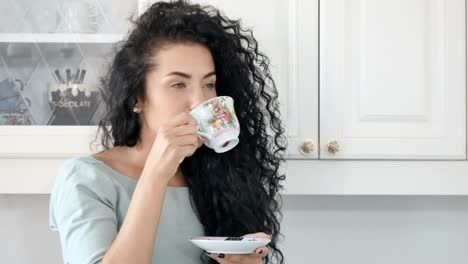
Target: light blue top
(89, 202)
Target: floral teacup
(217, 123)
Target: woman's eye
(210, 85)
(179, 85)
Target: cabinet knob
(307, 147)
(333, 146)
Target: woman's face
(183, 78)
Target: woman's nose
(198, 98)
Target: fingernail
(220, 255)
(260, 251)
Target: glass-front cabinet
(53, 54)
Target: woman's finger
(188, 140)
(200, 141)
(185, 130)
(258, 235)
(232, 258)
(262, 251)
(181, 119)
(192, 120)
(236, 258)
(220, 258)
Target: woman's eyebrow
(209, 74)
(188, 76)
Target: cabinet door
(287, 32)
(392, 79)
(52, 55)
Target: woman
(156, 184)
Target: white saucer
(246, 245)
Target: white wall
(318, 229)
(376, 230)
(24, 231)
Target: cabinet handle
(307, 147)
(333, 146)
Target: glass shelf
(52, 56)
(60, 38)
(43, 43)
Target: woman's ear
(138, 106)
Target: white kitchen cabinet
(279, 27)
(392, 100)
(392, 93)
(392, 79)
(36, 38)
(41, 116)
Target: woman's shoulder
(84, 173)
(81, 168)
(81, 161)
(80, 183)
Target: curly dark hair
(236, 192)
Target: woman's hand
(252, 258)
(175, 140)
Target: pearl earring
(135, 109)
